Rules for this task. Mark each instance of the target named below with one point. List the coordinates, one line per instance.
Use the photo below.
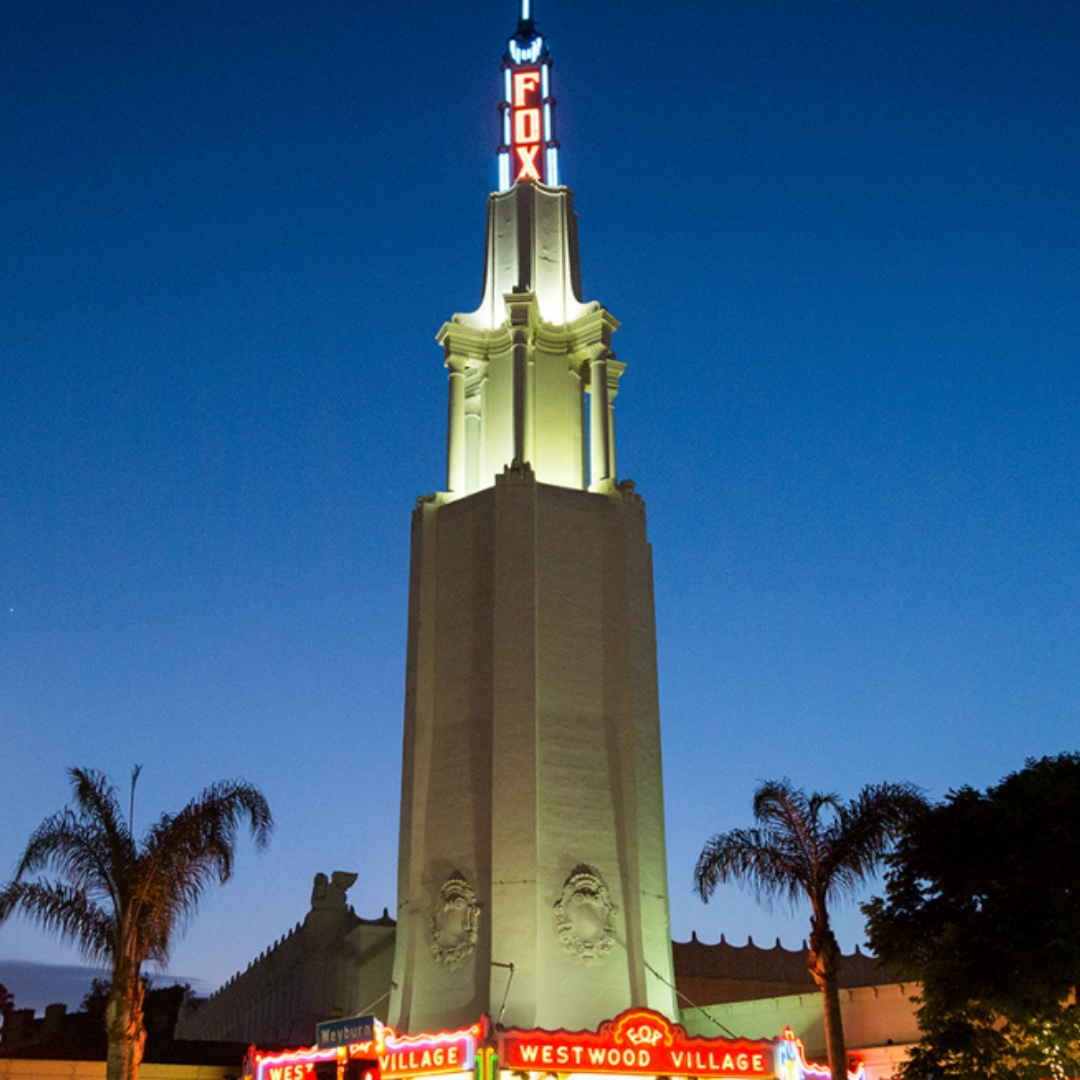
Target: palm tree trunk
(824, 965)
(124, 1027)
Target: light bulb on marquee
(529, 150)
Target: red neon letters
(528, 123)
(637, 1043)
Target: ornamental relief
(585, 915)
(452, 928)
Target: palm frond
(114, 846)
(120, 901)
(812, 846)
(865, 829)
(748, 855)
(63, 910)
(183, 855)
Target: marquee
(638, 1042)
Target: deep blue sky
(844, 240)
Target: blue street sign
(342, 1032)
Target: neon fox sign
(528, 150)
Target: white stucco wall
(879, 1023)
(532, 748)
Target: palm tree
(798, 852)
(122, 902)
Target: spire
(525, 23)
(529, 150)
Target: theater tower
(532, 878)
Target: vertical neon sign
(529, 150)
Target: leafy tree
(982, 907)
(814, 847)
(122, 902)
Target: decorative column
(455, 429)
(612, 390)
(472, 440)
(518, 304)
(601, 451)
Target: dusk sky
(843, 238)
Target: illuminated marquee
(637, 1042)
(288, 1064)
(406, 1056)
(791, 1063)
(399, 1057)
(429, 1055)
(528, 150)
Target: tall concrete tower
(532, 877)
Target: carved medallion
(454, 922)
(585, 915)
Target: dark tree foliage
(982, 907)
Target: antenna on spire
(526, 13)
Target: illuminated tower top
(528, 150)
(533, 377)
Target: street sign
(334, 1033)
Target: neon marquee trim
(421, 1055)
(398, 1056)
(289, 1064)
(791, 1063)
(638, 1042)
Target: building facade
(532, 874)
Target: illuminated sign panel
(406, 1056)
(286, 1065)
(528, 150)
(791, 1063)
(526, 128)
(399, 1057)
(428, 1059)
(638, 1042)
